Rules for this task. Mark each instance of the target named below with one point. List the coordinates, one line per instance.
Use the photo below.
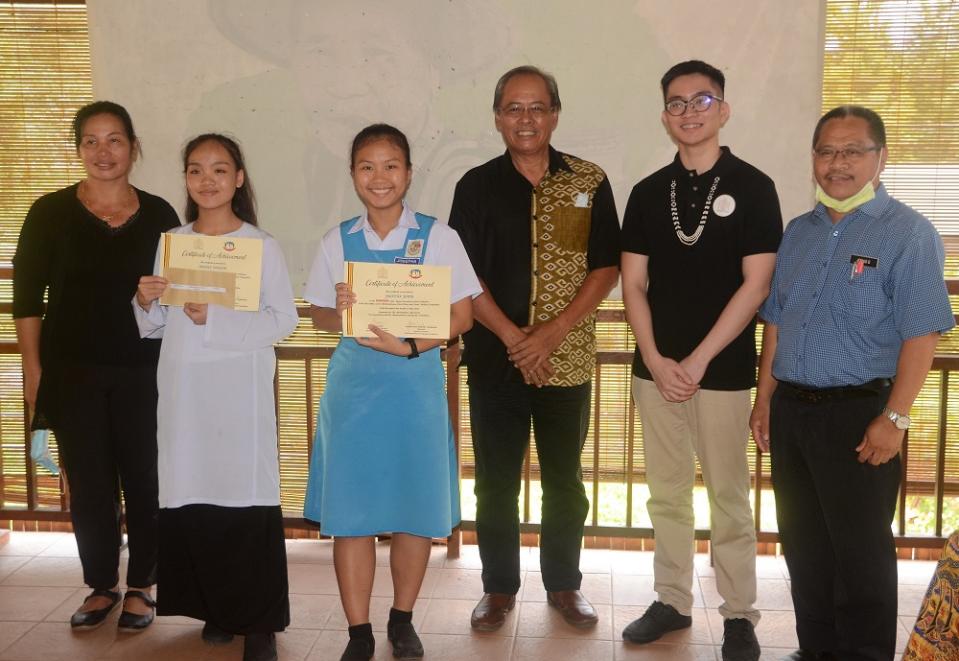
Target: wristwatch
(901, 421)
(414, 352)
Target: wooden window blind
(44, 77)
(901, 58)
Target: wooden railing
(610, 366)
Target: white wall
(294, 80)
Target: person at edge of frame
(856, 307)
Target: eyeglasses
(699, 103)
(517, 110)
(851, 154)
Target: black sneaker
(657, 620)
(259, 647)
(739, 641)
(406, 644)
(358, 649)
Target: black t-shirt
(491, 211)
(689, 286)
(90, 273)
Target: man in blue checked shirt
(856, 306)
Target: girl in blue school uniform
(383, 458)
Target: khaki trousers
(713, 426)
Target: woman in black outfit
(87, 374)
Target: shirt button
(835, 233)
(691, 174)
(695, 187)
(536, 245)
(693, 206)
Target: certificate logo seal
(416, 274)
(229, 246)
(724, 205)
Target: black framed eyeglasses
(853, 154)
(517, 110)
(699, 103)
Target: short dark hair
(103, 108)
(690, 67)
(244, 200)
(380, 132)
(528, 70)
(877, 129)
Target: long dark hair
(244, 201)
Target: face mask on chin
(865, 194)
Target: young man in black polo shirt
(699, 240)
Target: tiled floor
(40, 586)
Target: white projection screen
(294, 80)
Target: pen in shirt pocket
(857, 267)
(860, 263)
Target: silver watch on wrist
(901, 421)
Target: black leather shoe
(656, 621)
(358, 649)
(259, 647)
(134, 622)
(214, 635)
(83, 620)
(406, 644)
(739, 640)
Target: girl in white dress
(222, 557)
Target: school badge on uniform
(414, 248)
(413, 254)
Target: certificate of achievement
(408, 300)
(211, 269)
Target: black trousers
(835, 516)
(224, 565)
(106, 433)
(500, 419)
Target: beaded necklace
(690, 239)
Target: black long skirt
(224, 565)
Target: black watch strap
(414, 352)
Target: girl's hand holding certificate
(381, 340)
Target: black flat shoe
(259, 647)
(83, 620)
(358, 649)
(214, 635)
(406, 644)
(135, 622)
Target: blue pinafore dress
(384, 459)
